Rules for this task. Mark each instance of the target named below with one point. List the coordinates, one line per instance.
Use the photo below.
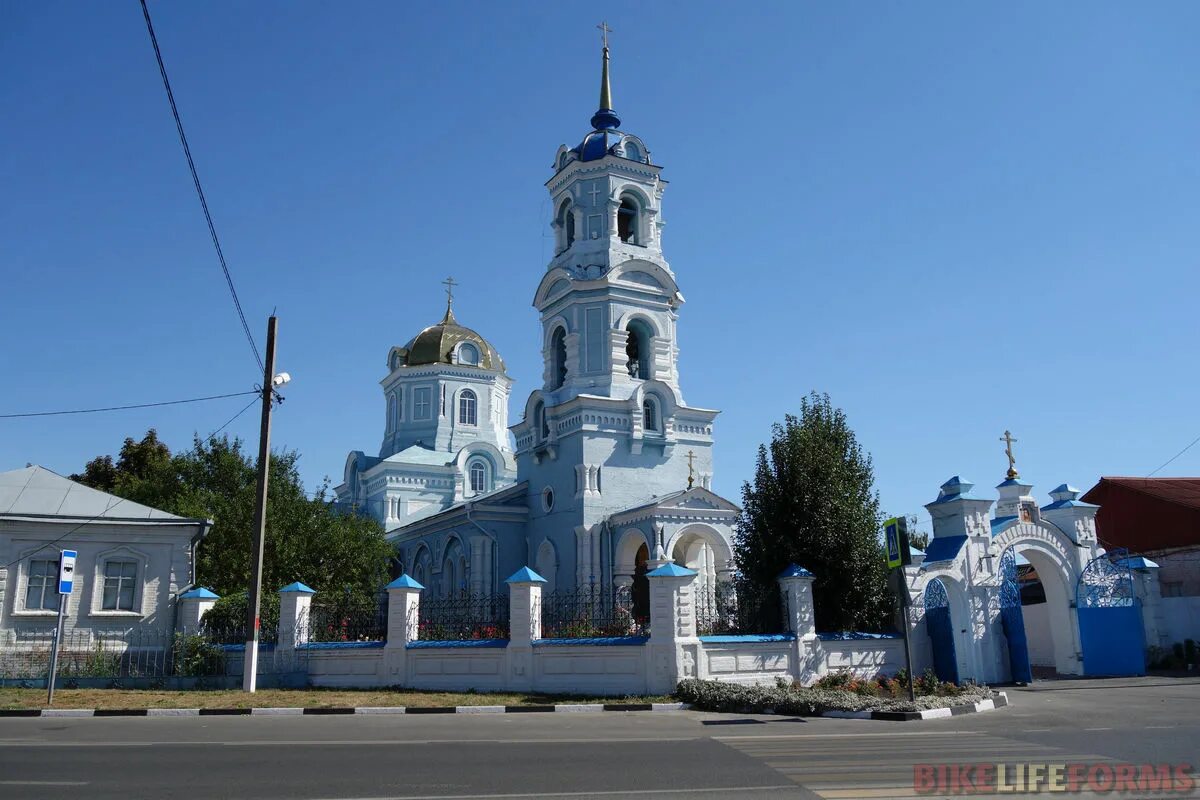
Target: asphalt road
(610, 755)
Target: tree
(812, 503)
(916, 537)
(307, 539)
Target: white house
(133, 560)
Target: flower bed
(837, 692)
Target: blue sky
(954, 218)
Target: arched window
(637, 348)
(627, 220)
(650, 414)
(467, 408)
(449, 584)
(391, 413)
(558, 354)
(566, 225)
(633, 151)
(477, 476)
(468, 354)
(399, 405)
(541, 426)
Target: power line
(212, 230)
(1177, 455)
(125, 408)
(114, 505)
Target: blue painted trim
(944, 548)
(750, 637)
(200, 593)
(596, 641)
(525, 575)
(424, 645)
(1068, 504)
(404, 582)
(846, 636)
(241, 648)
(795, 571)
(299, 588)
(671, 570)
(339, 645)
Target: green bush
(226, 620)
(196, 656)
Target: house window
(468, 354)
(649, 414)
(627, 220)
(42, 591)
(119, 587)
(478, 476)
(467, 408)
(421, 404)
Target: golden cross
(1008, 440)
(604, 32)
(691, 458)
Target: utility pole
(250, 667)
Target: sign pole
(66, 582)
(899, 555)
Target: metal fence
(356, 622)
(117, 656)
(591, 612)
(463, 617)
(726, 608)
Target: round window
(548, 499)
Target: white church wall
(864, 658)
(1038, 634)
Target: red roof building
(1155, 517)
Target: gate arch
(1110, 618)
(941, 630)
(1053, 555)
(1012, 619)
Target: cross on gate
(1008, 440)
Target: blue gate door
(1013, 620)
(941, 631)
(1110, 619)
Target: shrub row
(785, 698)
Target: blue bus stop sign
(66, 571)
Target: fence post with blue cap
(674, 649)
(795, 590)
(404, 608)
(525, 625)
(295, 604)
(191, 606)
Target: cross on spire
(449, 283)
(691, 472)
(1008, 440)
(604, 32)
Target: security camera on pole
(269, 398)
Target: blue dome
(600, 143)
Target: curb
(999, 701)
(563, 708)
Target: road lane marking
(43, 783)
(589, 793)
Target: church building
(610, 469)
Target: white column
(191, 607)
(795, 588)
(525, 626)
(404, 606)
(673, 650)
(295, 601)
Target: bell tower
(608, 300)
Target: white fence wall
(1180, 619)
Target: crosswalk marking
(879, 768)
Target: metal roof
(37, 492)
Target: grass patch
(15, 698)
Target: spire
(605, 117)
(449, 318)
